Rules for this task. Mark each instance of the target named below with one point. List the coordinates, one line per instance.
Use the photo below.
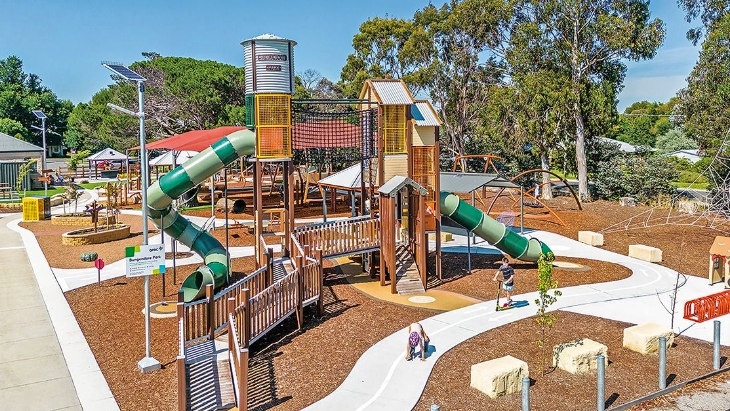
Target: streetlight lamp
(39, 114)
(148, 363)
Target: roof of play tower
(388, 91)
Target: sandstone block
(688, 206)
(590, 238)
(579, 356)
(627, 201)
(498, 377)
(445, 237)
(645, 252)
(644, 338)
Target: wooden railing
(238, 355)
(180, 360)
(248, 309)
(341, 237)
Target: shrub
(638, 176)
(688, 176)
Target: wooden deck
(209, 382)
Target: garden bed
(82, 219)
(101, 234)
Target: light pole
(39, 114)
(148, 363)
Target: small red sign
(99, 263)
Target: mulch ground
(292, 368)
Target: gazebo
(107, 159)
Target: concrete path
(45, 362)
(382, 379)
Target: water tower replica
(269, 70)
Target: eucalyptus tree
(379, 52)
(709, 12)
(591, 39)
(706, 99)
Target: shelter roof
(388, 91)
(13, 148)
(721, 246)
(166, 159)
(107, 154)
(348, 179)
(195, 140)
(327, 133)
(392, 186)
(464, 183)
(424, 114)
(622, 146)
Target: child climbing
(417, 337)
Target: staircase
(408, 281)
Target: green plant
(89, 257)
(642, 177)
(547, 295)
(23, 172)
(77, 157)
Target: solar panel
(124, 72)
(39, 114)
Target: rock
(498, 377)
(627, 201)
(579, 356)
(644, 338)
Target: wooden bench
(7, 192)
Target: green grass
(696, 186)
(52, 190)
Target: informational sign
(145, 260)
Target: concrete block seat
(579, 356)
(590, 238)
(498, 377)
(644, 338)
(645, 252)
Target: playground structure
(391, 137)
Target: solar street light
(148, 363)
(40, 115)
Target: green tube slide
(491, 230)
(173, 184)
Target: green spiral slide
(173, 184)
(491, 230)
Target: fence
(341, 237)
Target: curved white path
(382, 379)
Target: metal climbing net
(709, 209)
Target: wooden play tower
(408, 176)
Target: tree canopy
(20, 94)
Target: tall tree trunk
(580, 153)
(546, 191)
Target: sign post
(143, 261)
(99, 264)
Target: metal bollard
(662, 363)
(525, 393)
(435, 407)
(601, 392)
(716, 346)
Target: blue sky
(64, 42)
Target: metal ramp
(408, 280)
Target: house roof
(195, 140)
(392, 186)
(388, 91)
(107, 154)
(623, 146)
(14, 148)
(424, 114)
(692, 155)
(464, 183)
